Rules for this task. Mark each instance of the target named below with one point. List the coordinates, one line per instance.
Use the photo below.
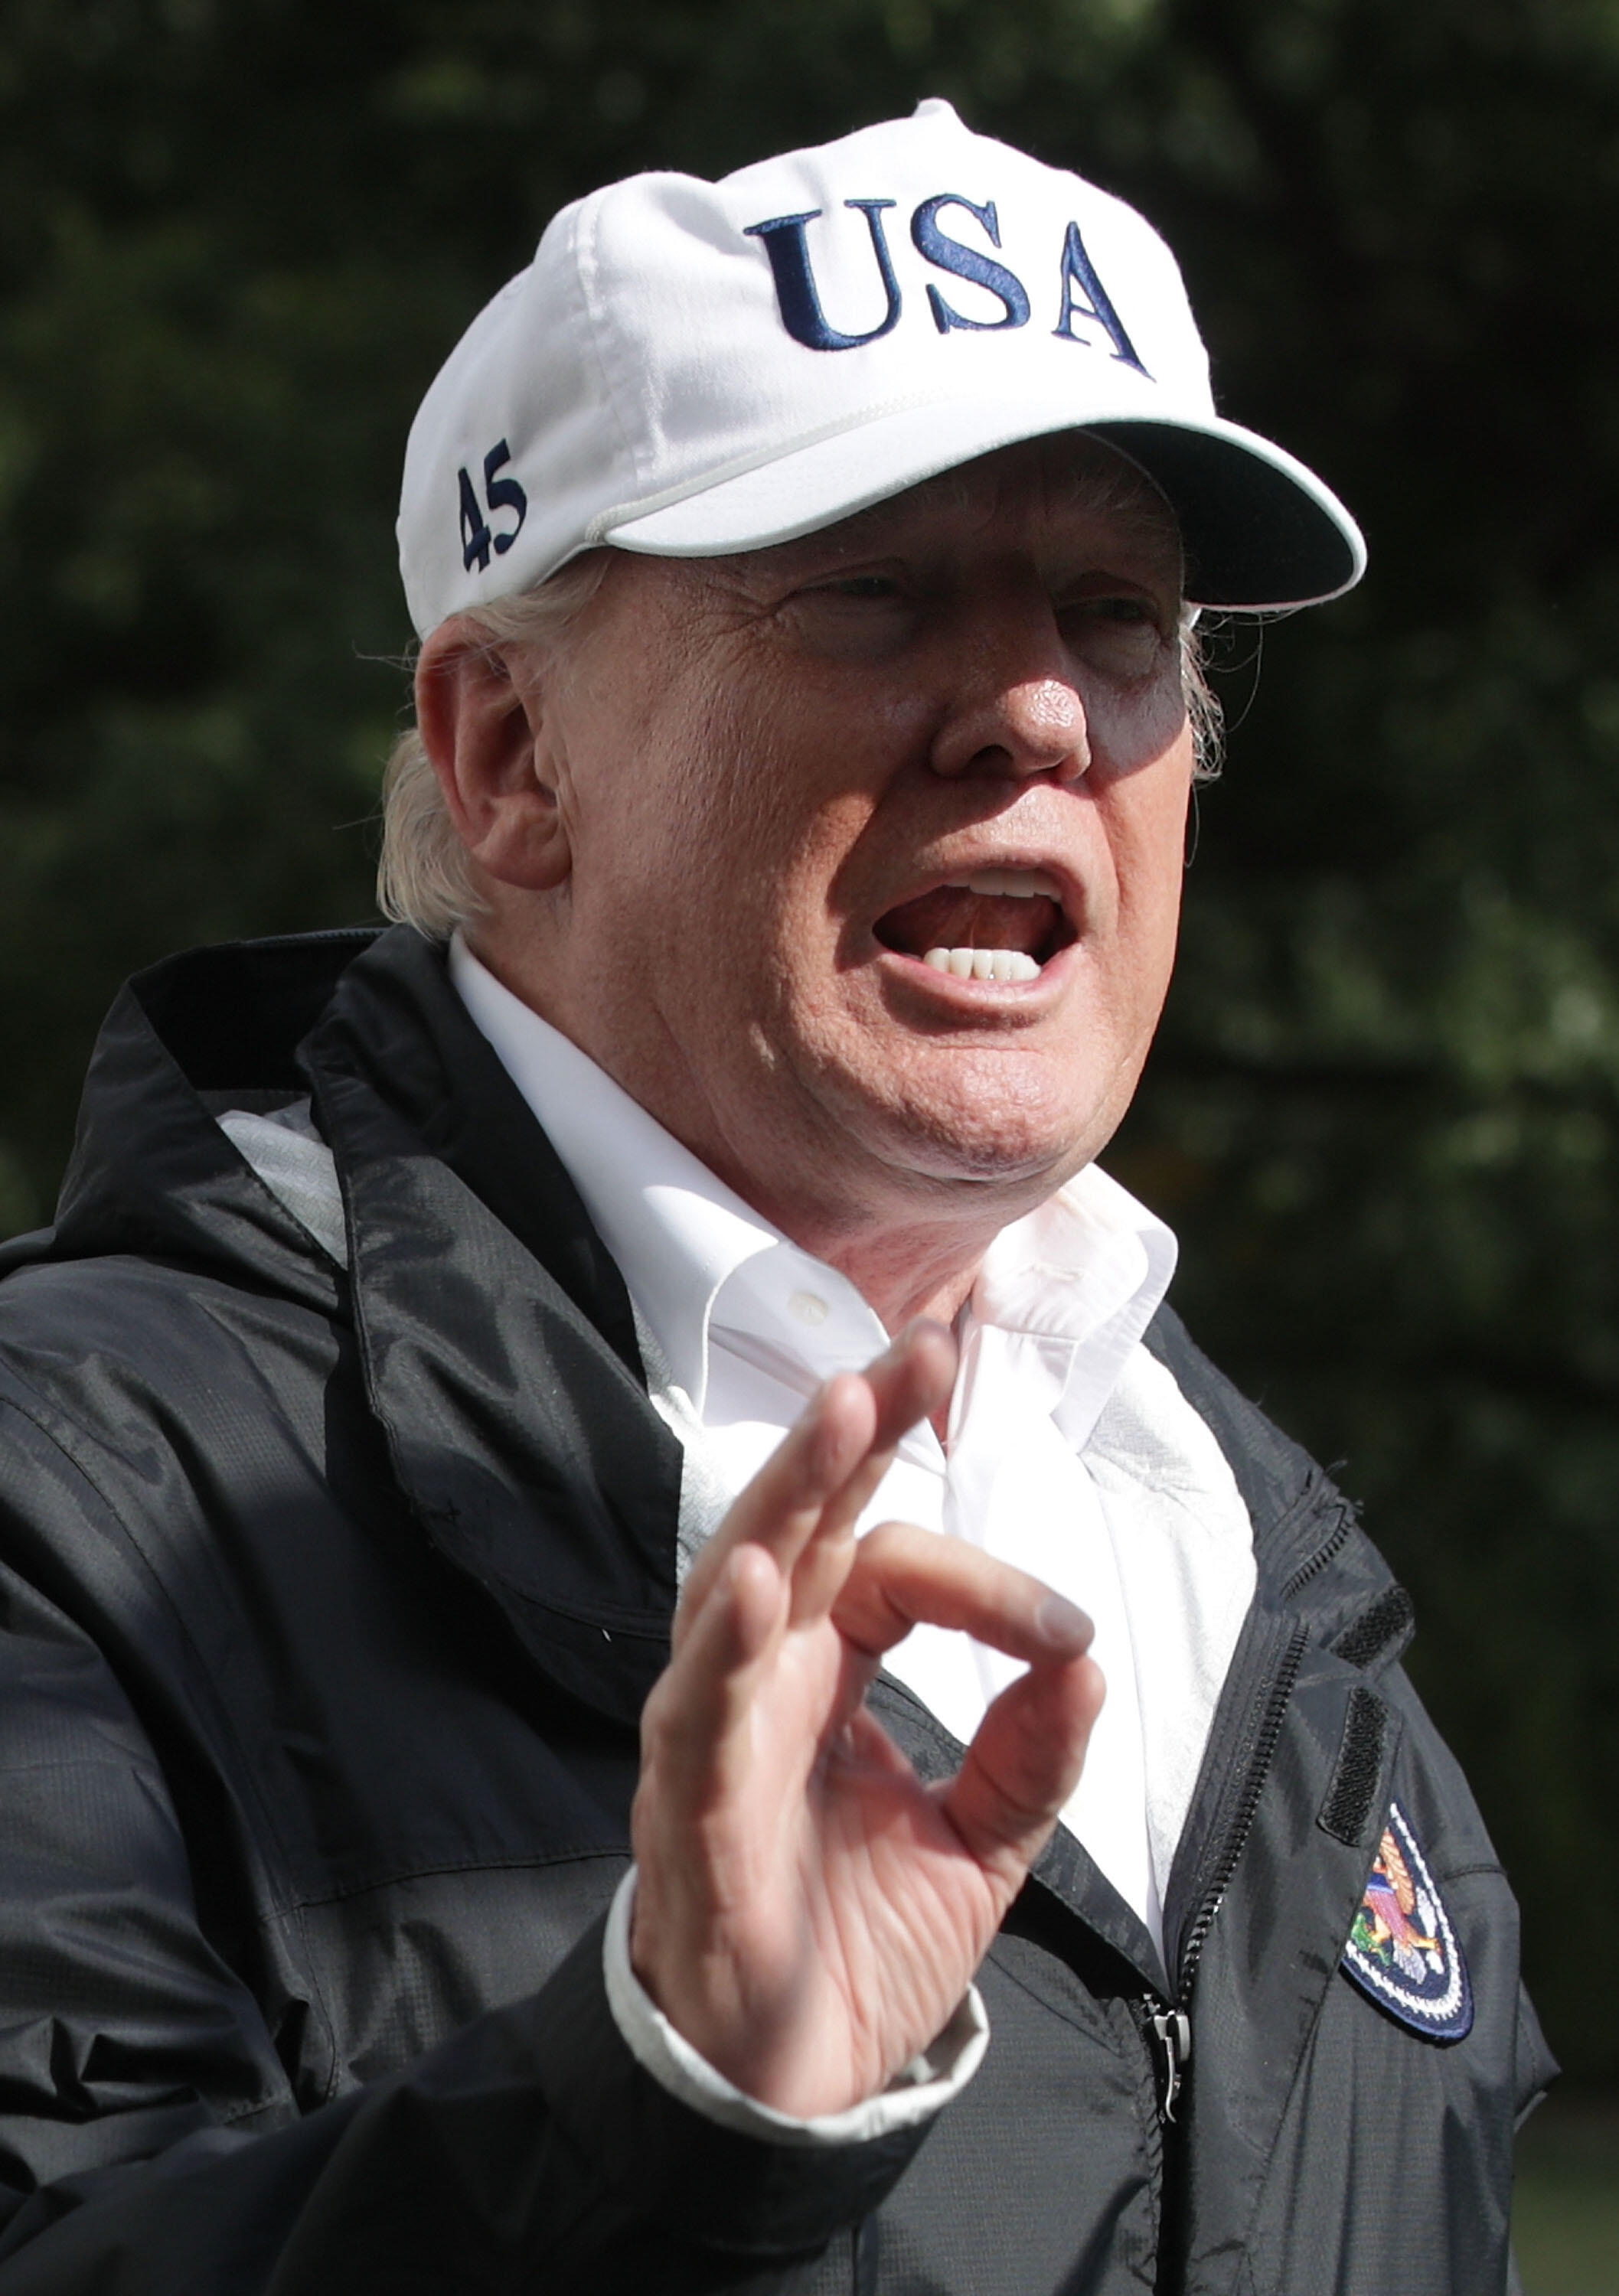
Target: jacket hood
(151, 1173)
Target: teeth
(983, 963)
(1022, 884)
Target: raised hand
(809, 1913)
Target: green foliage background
(236, 237)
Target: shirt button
(809, 1307)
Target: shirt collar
(1080, 1278)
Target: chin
(1023, 1136)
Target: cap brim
(1259, 529)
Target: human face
(784, 777)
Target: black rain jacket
(328, 1602)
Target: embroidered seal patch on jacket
(1403, 1950)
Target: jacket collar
(1315, 1564)
(495, 1334)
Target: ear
(485, 734)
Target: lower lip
(951, 989)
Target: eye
(1127, 611)
(861, 585)
(865, 615)
(1122, 631)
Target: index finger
(815, 1484)
(905, 1577)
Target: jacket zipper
(1171, 2032)
(1169, 2025)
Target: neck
(902, 1272)
(903, 1275)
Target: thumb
(1023, 1764)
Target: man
(805, 567)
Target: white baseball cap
(689, 368)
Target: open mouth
(993, 924)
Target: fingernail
(1063, 1625)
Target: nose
(1017, 711)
